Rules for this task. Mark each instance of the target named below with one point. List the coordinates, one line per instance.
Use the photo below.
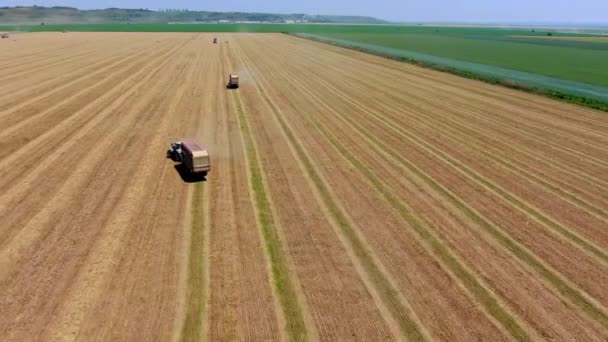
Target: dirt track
(351, 197)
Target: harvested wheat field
(350, 198)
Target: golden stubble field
(351, 197)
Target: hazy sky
(563, 11)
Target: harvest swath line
(106, 250)
(79, 132)
(549, 185)
(160, 60)
(176, 87)
(329, 88)
(48, 88)
(313, 238)
(29, 69)
(296, 327)
(391, 127)
(72, 97)
(574, 295)
(466, 102)
(193, 328)
(551, 224)
(466, 276)
(351, 197)
(471, 103)
(400, 310)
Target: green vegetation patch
(285, 289)
(569, 60)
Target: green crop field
(568, 59)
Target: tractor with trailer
(233, 81)
(194, 157)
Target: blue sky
(561, 11)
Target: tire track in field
(20, 231)
(561, 285)
(386, 290)
(293, 78)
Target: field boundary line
(283, 285)
(575, 295)
(395, 303)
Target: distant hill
(67, 15)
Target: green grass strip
(195, 298)
(285, 289)
(389, 294)
(483, 295)
(564, 289)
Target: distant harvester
(233, 81)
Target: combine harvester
(233, 81)
(4, 35)
(194, 157)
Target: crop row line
(574, 295)
(396, 304)
(285, 289)
(438, 248)
(540, 217)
